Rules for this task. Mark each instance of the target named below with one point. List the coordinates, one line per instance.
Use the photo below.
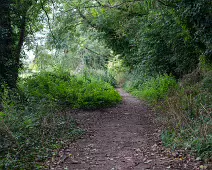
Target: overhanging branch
(48, 22)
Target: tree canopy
(156, 36)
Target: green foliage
(101, 75)
(190, 140)
(118, 70)
(132, 34)
(188, 117)
(167, 49)
(31, 131)
(136, 78)
(76, 45)
(193, 141)
(97, 94)
(33, 126)
(196, 16)
(155, 89)
(77, 91)
(168, 138)
(207, 82)
(150, 37)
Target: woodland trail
(124, 137)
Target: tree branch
(85, 18)
(48, 22)
(94, 52)
(167, 5)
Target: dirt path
(120, 138)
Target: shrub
(84, 92)
(32, 125)
(155, 89)
(97, 94)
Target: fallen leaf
(202, 167)
(198, 159)
(75, 162)
(148, 161)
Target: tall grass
(188, 118)
(187, 115)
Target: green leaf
(2, 115)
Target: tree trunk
(19, 46)
(6, 45)
(10, 48)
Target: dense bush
(77, 91)
(96, 95)
(154, 89)
(32, 125)
(165, 49)
(195, 16)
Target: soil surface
(124, 137)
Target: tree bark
(19, 46)
(6, 44)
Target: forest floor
(125, 137)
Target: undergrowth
(84, 92)
(187, 115)
(101, 75)
(33, 126)
(154, 88)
